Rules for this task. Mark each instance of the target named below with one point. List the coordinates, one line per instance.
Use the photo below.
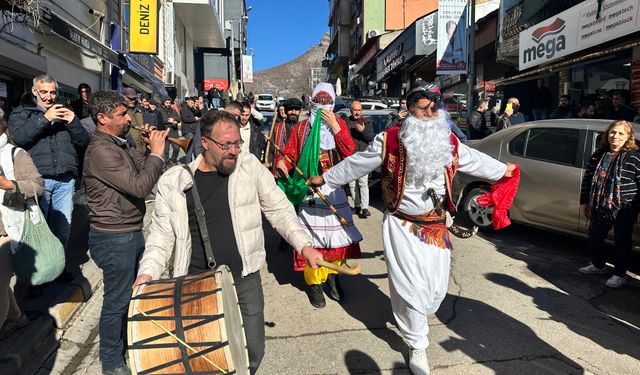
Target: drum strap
(202, 223)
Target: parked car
(266, 102)
(552, 155)
(380, 119)
(366, 105)
(266, 122)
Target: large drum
(202, 311)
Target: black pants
(622, 225)
(251, 300)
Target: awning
(200, 19)
(139, 77)
(565, 63)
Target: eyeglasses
(226, 146)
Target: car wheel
(476, 214)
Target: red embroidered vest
(394, 170)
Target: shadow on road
(361, 363)
(501, 342)
(556, 259)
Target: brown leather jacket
(117, 179)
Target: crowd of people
(112, 147)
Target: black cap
(292, 103)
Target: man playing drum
(234, 188)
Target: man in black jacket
(478, 128)
(362, 134)
(81, 106)
(50, 133)
(251, 132)
(170, 120)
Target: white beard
(428, 148)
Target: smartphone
(403, 107)
(509, 107)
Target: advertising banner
(575, 29)
(143, 26)
(451, 56)
(247, 68)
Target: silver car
(552, 155)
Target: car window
(265, 97)
(379, 122)
(366, 107)
(552, 145)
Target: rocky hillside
(292, 78)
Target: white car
(368, 106)
(266, 102)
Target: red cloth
(501, 198)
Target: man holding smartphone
(50, 133)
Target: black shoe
(365, 213)
(65, 277)
(334, 290)
(122, 370)
(356, 210)
(316, 297)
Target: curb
(25, 351)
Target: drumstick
(345, 269)
(180, 341)
(342, 220)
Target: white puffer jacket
(252, 190)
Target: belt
(428, 218)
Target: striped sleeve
(629, 179)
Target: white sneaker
(592, 270)
(418, 363)
(616, 281)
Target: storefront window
(601, 77)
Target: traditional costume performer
(335, 242)
(420, 156)
(281, 130)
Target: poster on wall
(247, 68)
(451, 56)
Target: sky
(281, 30)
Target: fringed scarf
(605, 186)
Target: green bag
(39, 257)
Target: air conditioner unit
(169, 77)
(372, 33)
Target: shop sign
(143, 27)
(82, 39)
(220, 84)
(393, 59)
(448, 80)
(451, 57)
(426, 34)
(561, 35)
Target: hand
(281, 168)
(144, 278)
(360, 127)
(310, 254)
(157, 141)
(316, 181)
(584, 209)
(5, 184)
(56, 112)
(171, 120)
(510, 169)
(330, 118)
(69, 115)
(403, 114)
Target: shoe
(11, 326)
(418, 363)
(616, 281)
(593, 270)
(334, 290)
(65, 277)
(356, 210)
(316, 296)
(122, 370)
(364, 214)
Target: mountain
(291, 79)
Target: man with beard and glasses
(117, 179)
(281, 130)
(419, 156)
(235, 189)
(334, 144)
(234, 108)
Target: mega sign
(575, 29)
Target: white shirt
(245, 134)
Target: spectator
(170, 120)
(586, 111)
(362, 134)
(251, 132)
(504, 120)
(620, 110)
(4, 108)
(81, 106)
(564, 109)
(235, 108)
(517, 117)
(602, 112)
(477, 122)
(20, 176)
(189, 117)
(214, 97)
(117, 180)
(135, 114)
(609, 199)
(50, 133)
(201, 104)
(150, 116)
(541, 101)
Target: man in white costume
(420, 156)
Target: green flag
(295, 187)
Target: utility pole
(471, 68)
(228, 25)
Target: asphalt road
(516, 304)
